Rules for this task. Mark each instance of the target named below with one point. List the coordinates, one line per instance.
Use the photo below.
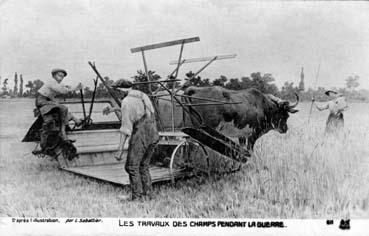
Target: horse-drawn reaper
(184, 137)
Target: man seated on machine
(55, 115)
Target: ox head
(281, 114)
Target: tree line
(263, 82)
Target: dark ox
(258, 112)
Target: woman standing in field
(336, 107)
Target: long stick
(175, 70)
(83, 104)
(206, 65)
(198, 72)
(93, 98)
(173, 85)
(146, 71)
(110, 90)
(199, 59)
(152, 82)
(316, 81)
(209, 104)
(196, 98)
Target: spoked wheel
(189, 157)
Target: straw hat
(56, 70)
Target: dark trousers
(137, 166)
(141, 147)
(46, 106)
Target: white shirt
(133, 109)
(336, 105)
(51, 88)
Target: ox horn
(295, 104)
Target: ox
(257, 112)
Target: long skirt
(335, 122)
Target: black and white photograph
(192, 111)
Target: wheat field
(301, 174)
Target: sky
(268, 37)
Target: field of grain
(301, 174)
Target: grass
(301, 174)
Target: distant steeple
(302, 83)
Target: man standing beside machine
(139, 125)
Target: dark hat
(329, 92)
(54, 71)
(122, 83)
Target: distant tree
(196, 80)
(102, 91)
(5, 88)
(234, 84)
(205, 83)
(37, 84)
(319, 94)
(141, 77)
(221, 81)
(15, 90)
(33, 86)
(30, 86)
(246, 82)
(288, 91)
(21, 86)
(352, 82)
(260, 82)
(87, 92)
(264, 83)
